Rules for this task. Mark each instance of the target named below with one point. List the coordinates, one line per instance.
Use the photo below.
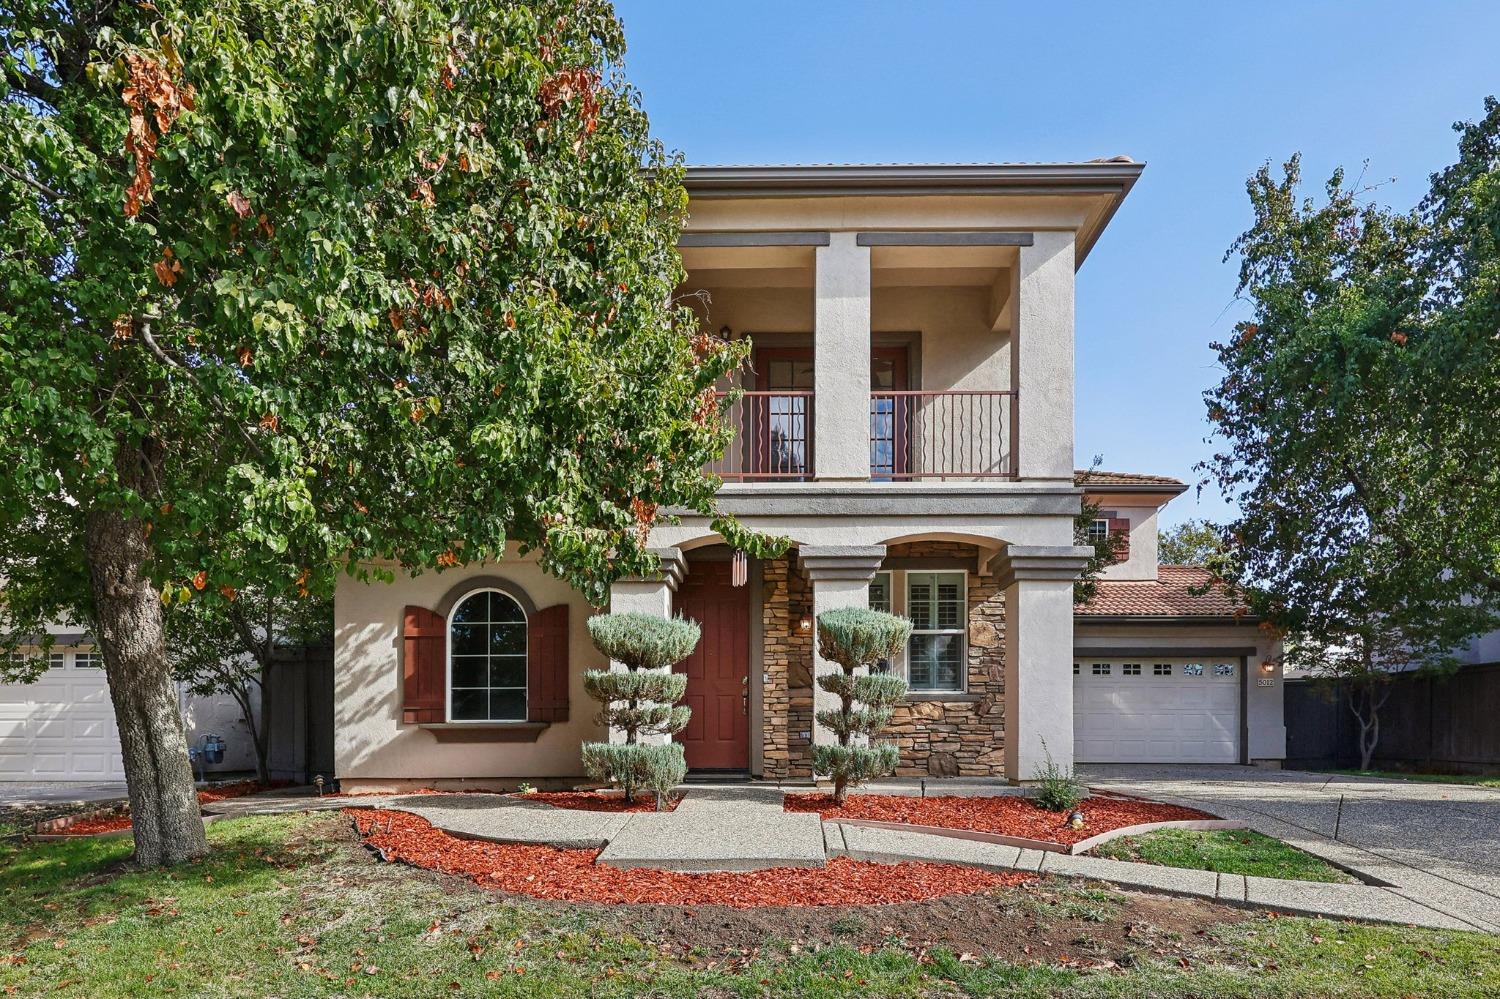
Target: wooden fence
(1441, 724)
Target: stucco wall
(1143, 542)
(1265, 729)
(373, 745)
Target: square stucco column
(1041, 357)
(840, 576)
(841, 359)
(647, 595)
(1038, 585)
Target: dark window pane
(475, 608)
(503, 608)
(508, 705)
(507, 671)
(935, 662)
(508, 639)
(471, 671)
(469, 639)
(470, 705)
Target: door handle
(745, 696)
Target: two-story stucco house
(908, 422)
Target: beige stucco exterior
(971, 271)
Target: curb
(1045, 845)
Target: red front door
(718, 736)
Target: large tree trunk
(163, 802)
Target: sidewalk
(744, 828)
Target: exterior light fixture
(805, 624)
(725, 332)
(1268, 668)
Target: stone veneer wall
(786, 695)
(965, 736)
(959, 737)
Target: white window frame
(95, 658)
(962, 631)
(525, 687)
(1096, 532)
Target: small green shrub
(634, 765)
(642, 641)
(1057, 790)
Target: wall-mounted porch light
(1268, 668)
(805, 624)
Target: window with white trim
(1098, 531)
(1131, 669)
(1161, 669)
(1100, 669)
(88, 660)
(56, 660)
(487, 658)
(937, 603)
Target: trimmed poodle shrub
(856, 638)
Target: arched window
(487, 658)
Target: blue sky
(1203, 92)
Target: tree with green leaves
(1356, 418)
(640, 699)
(297, 288)
(856, 638)
(1192, 542)
(235, 647)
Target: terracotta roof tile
(1085, 477)
(1172, 594)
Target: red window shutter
(424, 669)
(1120, 528)
(547, 665)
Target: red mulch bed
(93, 827)
(115, 823)
(572, 876)
(1006, 815)
(238, 789)
(593, 801)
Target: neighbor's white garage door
(1156, 711)
(62, 727)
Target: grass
(285, 907)
(1479, 780)
(1236, 851)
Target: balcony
(960, 435)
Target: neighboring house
(1167, 668)
(62, 726)
(908, 422)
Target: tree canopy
(292, 288)
(1192, 542)
(1356, 418)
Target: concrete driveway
(28, 794)
(1438, 844)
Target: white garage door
(1156, 711)
(62, 727)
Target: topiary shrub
(639, 700)
(854, 638)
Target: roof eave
(1110, 177)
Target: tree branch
(15, 174)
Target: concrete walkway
(744, 828)
(26, 794)
(1436, 844)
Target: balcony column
(648, 595)
(1037, 582)
(841, 359)
(1041, 358)
(840, 576)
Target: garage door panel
(1149, 718)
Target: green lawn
(1231, 851)
(1479, 780)
(288, 907)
